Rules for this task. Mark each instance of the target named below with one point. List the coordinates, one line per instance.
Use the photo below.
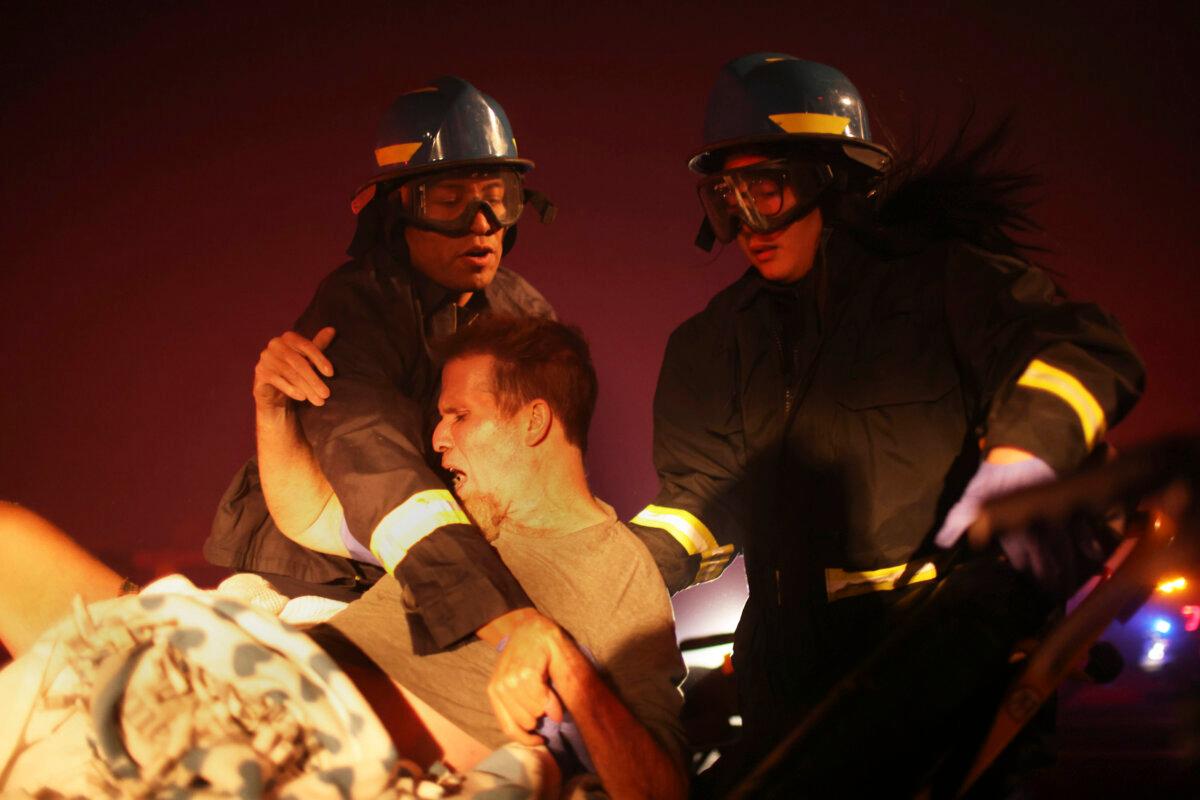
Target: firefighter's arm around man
(367, 438)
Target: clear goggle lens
(764, 197)
(450, 202)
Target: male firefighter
(434, 220)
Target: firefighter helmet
(448, 123)
(774, 98)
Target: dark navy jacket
(372, 440)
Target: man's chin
(486, 512)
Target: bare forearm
(629, 761)
(41, 569)
(295, 489)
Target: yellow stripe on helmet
(411, 521)
(396, 153)
(807, 122)
(1065, 386)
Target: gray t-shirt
(600, 584)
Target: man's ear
(539, 419)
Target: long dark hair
(966, 191)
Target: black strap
(541, 204)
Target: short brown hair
(535, 358)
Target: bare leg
(41, 569)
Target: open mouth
(478, 252)
(457, 478)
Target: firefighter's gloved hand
(994, 480)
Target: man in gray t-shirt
(598, 583)
(516, 401)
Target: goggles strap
(546, 210)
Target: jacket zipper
(788, 369)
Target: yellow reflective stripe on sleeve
(396, 153)
(807, 122)
(840, 584)
(692, 534)
(325, 534)
(411, 521)
(1064, 385)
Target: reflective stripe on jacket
(919, 358)
(371, 439)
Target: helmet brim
(870, 155)
(523, 165)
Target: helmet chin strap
(370, 226)
(705, 237)
(393, 231)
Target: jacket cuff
(457, 584)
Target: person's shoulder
(639, 556)
(509, 293)
(710, 326)
(963, 265)
(975, 271)
(365, 294)
(613, 534)
(354, 281)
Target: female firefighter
(838, 413)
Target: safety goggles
(764, 197)
(449, 202)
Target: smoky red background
(177, 180)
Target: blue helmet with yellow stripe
(773, 98)
(446, 125)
